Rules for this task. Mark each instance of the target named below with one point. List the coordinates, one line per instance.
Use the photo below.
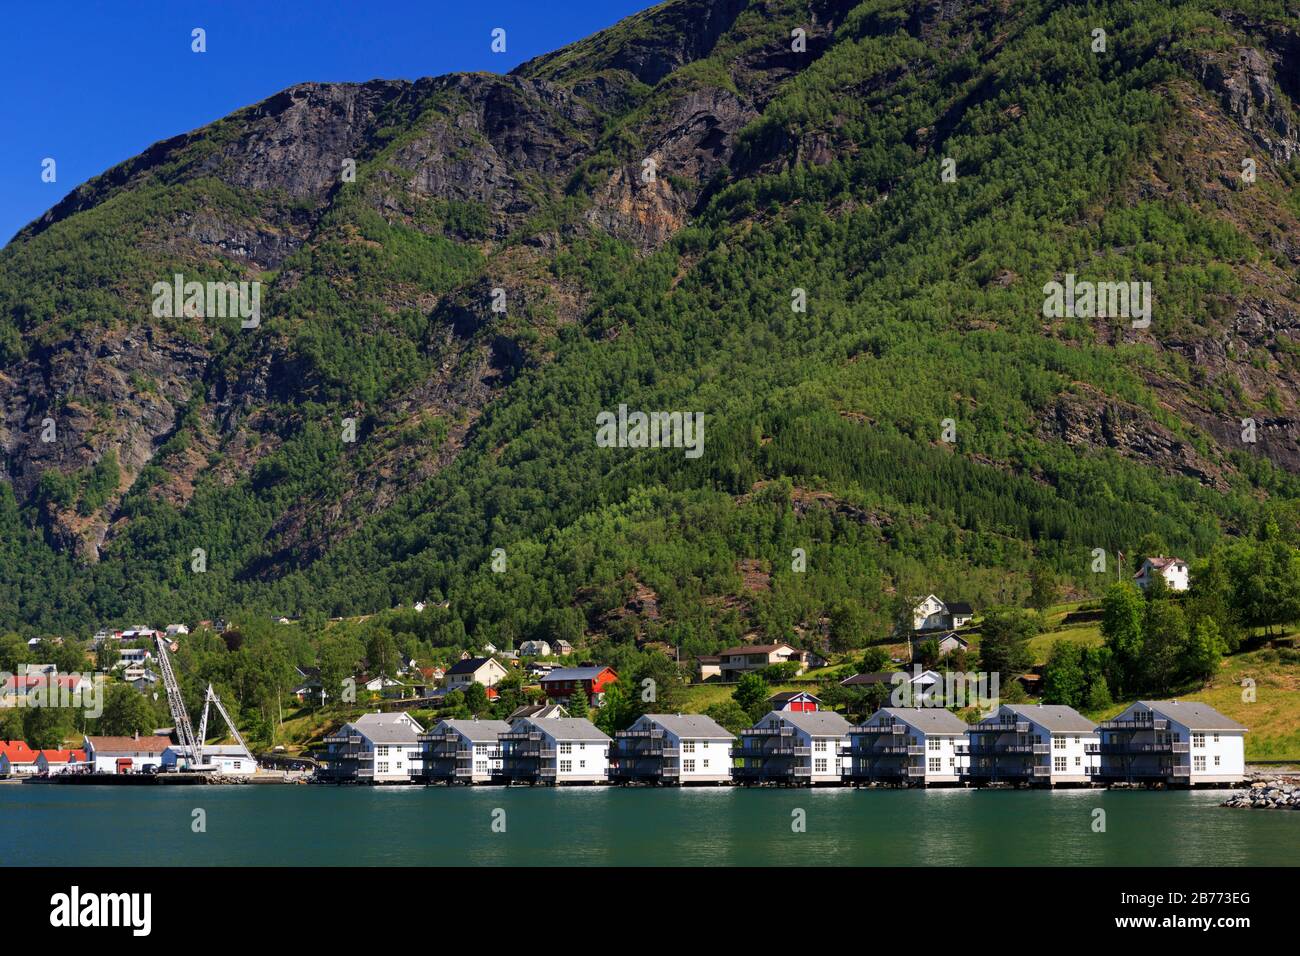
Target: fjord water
(323, 826)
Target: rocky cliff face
(381, 292)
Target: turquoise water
(324, 826)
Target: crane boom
(176, 704)
(214, 700)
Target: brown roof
(146, 744)
(754, 649)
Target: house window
(1198, 763)
(820, 746)
(1076, 740)
(706, 762)
(1058, 764)
(935, 764)
(1216, 738)
(383, 767)
(1058, 743)
(1078, 761)
(566, 766)
(582, 765)
(819, 765)
(1216, 760)
(688, 746)
(952, 762)
(382, 751)
(688, 766)
(566, 748)
(1198, 740)
(932, 743)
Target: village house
(799, 701)
(1040, 744)
(947, 642)
(1173, 570)
(909, 746)
(539, 711)
(474, 670)
(911, 687)
(563, 648)
(563, 682)
(792, 748)
(463, 750)
(707, 667)
(672, 749)
(735, 661)
(230, 760)
(555, 751)
(374, 748)
(932, 614)
(61, 761)
(17, 759)
(1172, 742)
(125, 754)
(534, 649)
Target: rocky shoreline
(1272, 792)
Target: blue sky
(93, 83)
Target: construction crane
(180, 716)
(212, 700)
(190, 744)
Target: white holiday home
(787, 747)
(556, 750)
(374, 748)
(910, 746)
(1042, 744)
(674, 749)
(1173, 742)
(463, 751)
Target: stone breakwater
(1278, 794)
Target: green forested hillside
(776, 170)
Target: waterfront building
(909, 746)
(462, 751)
(672, 749)
(1041, 744)
(374, 748)
(60, 761)
(17, 759)
(125, 754)
(230, 760)
(556, 750)
(1172, 742)
(787, 747)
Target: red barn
(560, 683)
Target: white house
(681, 749)
(558, 750)
(125, 754)
(175, 629)
(792, 748)
(463, 751)
(735, 661)
(1174, 742)
(1034, 743)
(911, 746)
(931, 614)
(61, 761)
(1173, 570)
(230, 760)
(374, 748)
(474, 670)
(535, 649)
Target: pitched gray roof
(1192, 714)
(387, 729)
(479, 731)
(1057, 718)
(692, 726)
(817, 723)
(928, 720)
(574, 673)
(568, 728)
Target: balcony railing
(1136, 724)
(879, 729)
(1001, 727)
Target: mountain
(503, 268)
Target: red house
(798, 701)
(560, 683)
